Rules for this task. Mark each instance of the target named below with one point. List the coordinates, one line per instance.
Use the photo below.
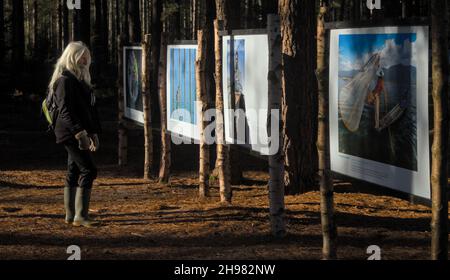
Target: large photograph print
(181, 91)
(378, 106)
(245, 84)
(133, 84)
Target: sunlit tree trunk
(329, 231)
(276, 187)
(439, 183)
(165, 162)
(223, 153)
(205, 87)
(146, 78)
(222, 164)
(200, 75)
(229, 16)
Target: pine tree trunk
(156, 29)
(2, 31)
(97, 47)
(299, 107)
(65, 25)
(118, 19)
(232, 157)
(164, 170)
(126, 21)
(122, 125)
(146, 85)
(105, 34)
(276, 188)
(35, 27)
(222, 164)
(112, 34)
(194, 18)
(59, 23)
(134, 21)
(202, 97)
(82, 23)
(233, 14)
(234, 22)
(18, 39)
(439, 183)
(329, 231)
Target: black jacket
(77, 110)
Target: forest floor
(144, 220)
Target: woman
(76, 127)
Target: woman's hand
(83, 140)
(95, 143)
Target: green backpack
(50, 110)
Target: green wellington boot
(82, 199)
(69, 204)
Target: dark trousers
(81, 170)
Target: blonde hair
(69, 61)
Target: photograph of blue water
(182, 83)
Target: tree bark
(18, 39)
(156, 29)
(226, 12)
(2, 31)
(276, 188)
(439, 184)
(59, 23)
(105, 34)
(125, 21)
(164, 170)
(146, 85)
(97, 46)
(329, 231)
(34, 36)
(82, 23)
(112, 34)
(134, 21)
(202, 97)
(299, 107)
(122, 125)
(65, 25)
(222, 164)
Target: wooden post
(439, 183)
(276, 166)
(329, 231)
(122, 125)
(223, 161)
(164, 170)
(202, 97)
(146, 78)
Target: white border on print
(175, 126)
(408, 181)
(130, 113)
(255, 87)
